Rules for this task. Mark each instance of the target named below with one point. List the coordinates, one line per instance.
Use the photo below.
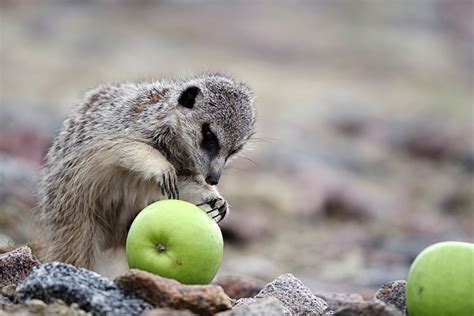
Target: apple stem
(160, 248)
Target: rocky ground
(31, 288)
(363, 154)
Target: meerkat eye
(209, 142)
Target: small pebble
(9, 291)
(35, 306)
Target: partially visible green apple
(177, 240)
(441, 281)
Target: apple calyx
(160, 248)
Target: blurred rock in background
(364, 151)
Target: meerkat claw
(220, 216)
(222, 209)
(222, 212)
(171, 191)
(214, 209)
(164, 186)
(211, 202)
(175, 188)
(169, 186)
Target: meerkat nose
(212, 179)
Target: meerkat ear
(188, 97)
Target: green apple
(177, 240)
(441, 280)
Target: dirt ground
(364, 153)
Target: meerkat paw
(168, 182)
(219, 207)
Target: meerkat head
(216, 118)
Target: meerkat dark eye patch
(188, 97)
(209, 143)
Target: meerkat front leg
(149, 163)
(198, 192)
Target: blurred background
(364, 152)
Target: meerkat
(127, 145)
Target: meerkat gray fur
(127, 145)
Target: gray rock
(38, 307)
(336, 301)
(90, 291)
(373, 308)
(355, 305)
(268, 306)
(16, 265)
(393, 293)
(294, 295)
